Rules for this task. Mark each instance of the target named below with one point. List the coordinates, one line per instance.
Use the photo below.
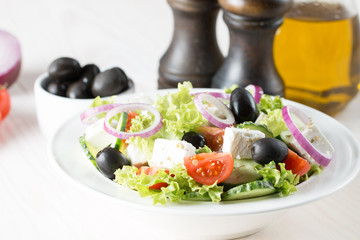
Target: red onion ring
(222, 95)
(87, 117)
(256, 91)
(154, 128)
(299, 137)
(221, 123)
(10, 61)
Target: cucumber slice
(121, 127)
(285, 136)
(243, 172)
(249, 190)
(87, 150)
(196, 196)
(256, 126)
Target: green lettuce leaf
(315, 169)
(179, 184)
(283, 180)
(269, 103)
(98, 101)
(274, 122)
(232, 88)
(204, 149)
(179, 116)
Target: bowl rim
(39, 87)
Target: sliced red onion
(221, 123)
(88, 117)
(299, 137)
(256, 91)
(154, 128)
(10, 60)
(222, 95)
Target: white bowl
(206, 220)
(53, 110)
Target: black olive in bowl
(110, 82)
(88, 74)
(65, 69)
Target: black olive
(110, 82)
(109, 160)
(57, 87)
(243, 106)
(79, 89)
(45, 82)
(265, 150)
(88, 73)
(196, 139)
(65, 68)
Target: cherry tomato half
(296, 164)
(131, 116)
(4, 102)
(159, 185)
(207, 168)
(214, 137)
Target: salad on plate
(213, 145)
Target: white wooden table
(35, 202)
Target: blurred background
(108, 33)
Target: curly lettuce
(283, 180)
(274, 122)
(269, 103)
(179, 116)
(230, 89)
(178, 180)
(315, 169)
(98, 101)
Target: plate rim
(178, 208)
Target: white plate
(68, 158)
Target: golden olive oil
(317, 53)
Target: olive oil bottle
(317, 53)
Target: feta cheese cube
(238, 141)
(168, 153)
(136, 156)
(97, 137)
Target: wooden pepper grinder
(193, 54)
(252, 25)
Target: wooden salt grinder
(193, 54)
(252, 25)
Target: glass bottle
(317, 53)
